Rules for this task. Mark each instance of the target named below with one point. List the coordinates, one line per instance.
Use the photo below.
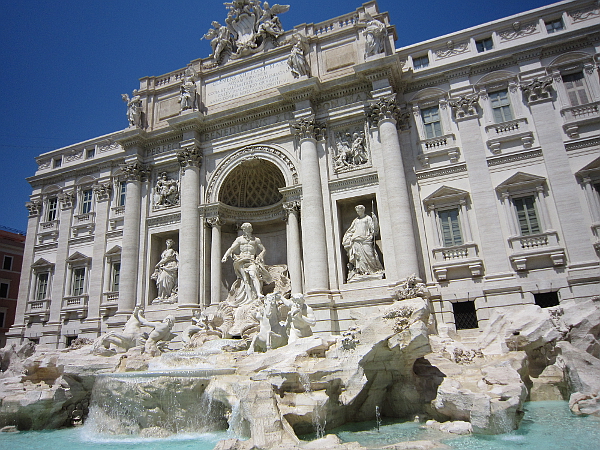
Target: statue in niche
(160, 336)
(219, 39)
(248, 254)
(300, 319)
(375, 33)
(359, 243)
(166, 191)
(134, 109)
(350, 150)
(297, 59)
(165, 275)
(187, 96)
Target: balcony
(83, 224)
(48, 231)
(444, 146)
(499, 134)
(37, 311)
(536, 251)
(458, 261)
(110, 303)
(577, 116)
(74, 307)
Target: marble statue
(269, 22)
(412, 287)
(359, 243)
(165, 274)
(160, 336)
(166, 191)
(201, 323)
(297, 59)
(272, 333)
(248, 255)
(126, 339)
(300, 319)
(219, 39)
(134, 109)
(188, 97)
(375, 33)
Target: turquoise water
(546, 426)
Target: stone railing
(84, 218)
(534, 241)
(541, 247)
(456, 252)
(444, 146)
(38, 308)
(75, 306)
(450, 262)
(576, 116)
(49, 226)
(337, 24)
(110, 303)
(512, 130)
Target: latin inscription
(247, 126)
(254, 80)
(162, 149)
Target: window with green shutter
(576, 89)
(432, 122)
(501, 106)
(527, 215)
(449, 222)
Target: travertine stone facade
(476, 154)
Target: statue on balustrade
(375, 33)
(134, 109)
(297, 59)
(359, 243)
(165, 275)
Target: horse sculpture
(126, 339)
(272, 334)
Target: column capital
(190, 154)
(103, 191)
(67, 200)
(537, 89)
(214, 221)
(290, 208)
(385, 108)
(34, 207)
(309, 128)
(135, 171)
(465, 106)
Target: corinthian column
(294, 258)
(313, 217)
(190, 160)
(383, 114)
(215, 259)
(135, 173)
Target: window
(450, 227)
(484, 45)
(7, 262)
(116, 275)
(546, 299)
(554, 25)
(432, 122)
(576, 89)
(69, 340)
(90, 153)
(465, 316)
(86, 201)
(41, 290)
(501, 106)
(527, 215)
(122, 193)
(51, 209)
(420, 62)
(4, 286)
(57, 162)
(78, 286)
(2, 317)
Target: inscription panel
(255, 80)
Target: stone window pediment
(521, 182)
(77, 259)
(115, 251)
(42, 265)
(446, 195)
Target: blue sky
(64, 64)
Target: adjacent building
(12, 244)
(476, 155)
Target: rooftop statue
(375, 33)
(297, 59)
(134, 109)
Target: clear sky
(64, 64)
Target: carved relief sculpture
(351, 151)
(359, 243)
(297, 59)
(412, 287)
(166, 192)
(134, 109)
(375, 33)
(165, 275)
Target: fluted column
(294, 257)
(314, 245)
(190, 160)
(135, 173)
(383, 114)
(215, 259)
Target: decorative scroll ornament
(465, 105)
(517, 31)
(309, 128)
(538, 89)
(34, 207)
(134, 171)
(166, 192)
(350, 151)
(451, 49)
(67, 200)
(189, 156)
(249, 25)
(384, 108)
(103, 191)
(214, 221)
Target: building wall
(11, 258)
(483, 135)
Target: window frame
(421, 62)
(36, 294)
(78, 281)
(10, 264)
(551, 29)
(526, 227)
(501, 108)
(431, 125)
(6, 283)
(86, 204)
(51, 205)
(454, 226)
(483, 41)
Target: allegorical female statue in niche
(359, 243)
(165, 275)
